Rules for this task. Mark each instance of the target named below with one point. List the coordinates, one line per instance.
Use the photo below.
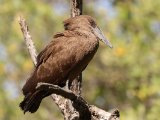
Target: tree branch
(85, 110)
(76, 7)
(28, 39)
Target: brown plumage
(63, 58)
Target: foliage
(126, 77)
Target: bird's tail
(32, 101)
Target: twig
(28, 39)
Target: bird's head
(85, 23)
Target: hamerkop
(63, 58)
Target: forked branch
(85, 110)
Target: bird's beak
(100, 35)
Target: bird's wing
(52, 47)
(56, 60)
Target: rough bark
(28, 40)
(76, 7)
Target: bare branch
(99, 114)
(28, 39)
(85, 110)
(76, 7)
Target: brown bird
(63, 58)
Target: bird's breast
(86, 48)
(84, 54)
